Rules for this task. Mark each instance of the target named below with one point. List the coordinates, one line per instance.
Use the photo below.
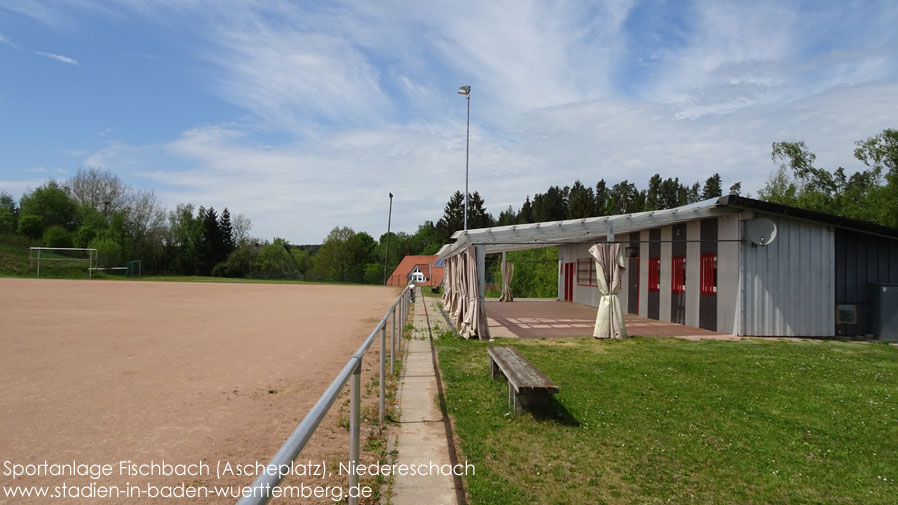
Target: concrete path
(422, 437)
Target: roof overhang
(536, 235)
(741, 202)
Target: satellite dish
(762, 231)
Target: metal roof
(535, 235)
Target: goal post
(76, 254)
(133, 269)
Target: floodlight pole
(466, 90)
(387, 250)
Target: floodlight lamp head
(464, 90)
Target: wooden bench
(527, 386)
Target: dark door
(707, 301)
(678, 275)
(653, 311)
(633, 278)
(569, 281)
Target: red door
(569, 282)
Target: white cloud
(361, 98)
(299, 79)
(301, 190)
(19, 187)
(58, 57)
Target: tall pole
(467, 153)
(466, 90)
(387, 251)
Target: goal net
(64, 261)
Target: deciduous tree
(99, 189)
(52, 204)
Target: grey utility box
(884, 311)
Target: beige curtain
(473, 322)
(609, 266)
(447, 285)
(461, 291)
(507, 276)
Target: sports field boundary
(260, 492)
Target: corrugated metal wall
(862, 259)
(693, 272)
(729, 275)
(789, 285)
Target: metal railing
(278, 467)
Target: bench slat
(520, 372)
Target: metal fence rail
(277, 468)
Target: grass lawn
(674, 421)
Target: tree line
(96, 209)
(579, 201)
(869, 194)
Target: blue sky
(304, 115)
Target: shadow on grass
(552, 410)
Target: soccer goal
(70, 255)
(133, 269)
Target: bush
(57, 236)
(238, 264)
(374, 273)
(7, 221)
(83, 236)
(274, 262)
(31, 226)
(109, 252)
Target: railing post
(393, 345)
(355, 400)
(383, 369)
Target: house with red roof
(422, 270)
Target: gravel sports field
(100, 372)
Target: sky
(304, 115)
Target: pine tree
(670, 194)
(581, 202)
(507, 217)
(210, 245)
(694, 194)
(526, 214)
(552, 205)
(712, 187)
(453, 217)
(226, 232)
(653, 195)
(478, 217)
(601, 198)
(624, 199)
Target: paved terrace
(554, 319)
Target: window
(678, 274)
(709, 274)
(654, 274)
(586, 272)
